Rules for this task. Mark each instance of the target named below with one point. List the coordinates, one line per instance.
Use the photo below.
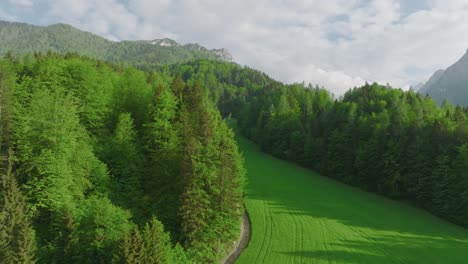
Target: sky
(338, 44)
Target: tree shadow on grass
(391, 231)
(391, 249)
(340, 256)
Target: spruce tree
(131, 250)
(157, 243)
(67, 238)
(163, 153)
(17, 244)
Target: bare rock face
(450, 84)
(223, 54)
(165, 42)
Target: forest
(102, 163)
(383, 140)
(21, 39)
(108, 164)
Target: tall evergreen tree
(157, 243)
(17, 243)
(125, 161)
(163, 148)
(131, 249)
(67, 238)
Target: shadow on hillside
(340, 256)
(380, 244)
(388, 250)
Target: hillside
(119, 165)
(388, 141)
(450, 84)
(98, 160)
(21, 38)
(299, 216)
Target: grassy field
(299, 216)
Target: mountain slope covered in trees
(103, 164)
(20, 38)
(383, 140)
(107, 163)
(450, 84)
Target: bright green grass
(300, 217)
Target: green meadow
(299, 216)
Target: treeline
(383, 140)
(103, 164)
(20, 39)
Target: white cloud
(6, 16)
(336, 43)
(27, 3)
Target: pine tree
(178, 86)
(131, 249)
(17, 244)
(195, 201)
(6, 109)
(67, 238)
(163, 152)
(125, 161)
(157, 243)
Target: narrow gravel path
(241, 243)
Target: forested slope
(114, 164)
(383, 140)
(103, 164)
(21, 39)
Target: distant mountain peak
(450, 84)
(165, 42)
(22, 38)
(222, 54)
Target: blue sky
(335, 43)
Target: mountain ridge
(450, 84)
(22, 38)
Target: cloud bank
(337, 44)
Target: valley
(299, 216)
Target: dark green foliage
(163, 147)
(212, 197)
(124, 158)
(17, 243)
(157, 243)
(102, 225)
(151, 245)
(7, 84)
(67, 238)
(383, 140)
(131, 249)
(101, 150)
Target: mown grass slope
(299, 216)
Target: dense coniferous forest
(109, 164)
(388, 141)
(103, 164)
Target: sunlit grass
(299, 216)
